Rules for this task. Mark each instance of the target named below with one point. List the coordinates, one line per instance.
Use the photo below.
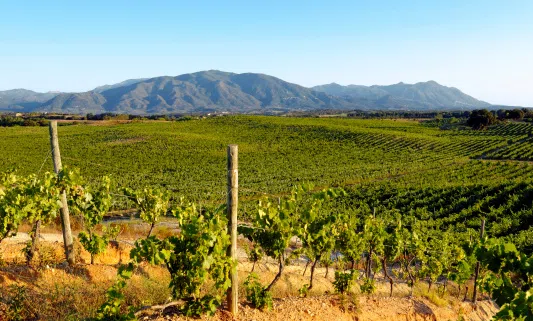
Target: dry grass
(434, 295)
(63, 293)
(57, 292)
(291, 281)
(54, 291)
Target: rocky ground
(332, 308)
(83, 288)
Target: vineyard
(374, 200)
(187, 157)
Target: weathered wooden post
(233, 201)
(65, 215)
(478, 267)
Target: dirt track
(24, 237)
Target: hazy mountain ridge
(218, 91)
(199, 92)
(427, 95)
(76, 103)
(103, 88)
(22, 99)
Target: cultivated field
(456, 176)
(395, 201)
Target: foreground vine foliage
(276, 223)
(195, 257)
(151, 203)
(26, 199)
(92, 204)
(509, 279)
(43, 204)
(316, 228)
(112, 309)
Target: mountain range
(217, 91)
(423, 95)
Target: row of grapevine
(187, 157)
(521, 150)
(377, 238)
(196, 256)
(508, 130)
(508, 206)
(381, 239)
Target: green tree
(481, 119)
(515, 114)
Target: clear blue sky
(484, 48)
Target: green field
(454, 177)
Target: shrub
(368, 286)
(343, 281)
(16, 301)
(258, 296)
(304, 290)
(196, 258)
(112, 309)
(47, 255)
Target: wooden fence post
(478, 267)
(65, 215)
(233, 201)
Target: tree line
(482, 118)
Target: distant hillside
(22, 99)
(422, 95)
(206, 91)
(77, 103)
(103, 88)
(217, 91)
(372, 93)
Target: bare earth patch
(56, 291)
(330, 308)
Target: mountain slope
(217, 91)
(22, 99)
(128, 82)
(358, 91)
(422, 95)
(77, 103)
(205, 91)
